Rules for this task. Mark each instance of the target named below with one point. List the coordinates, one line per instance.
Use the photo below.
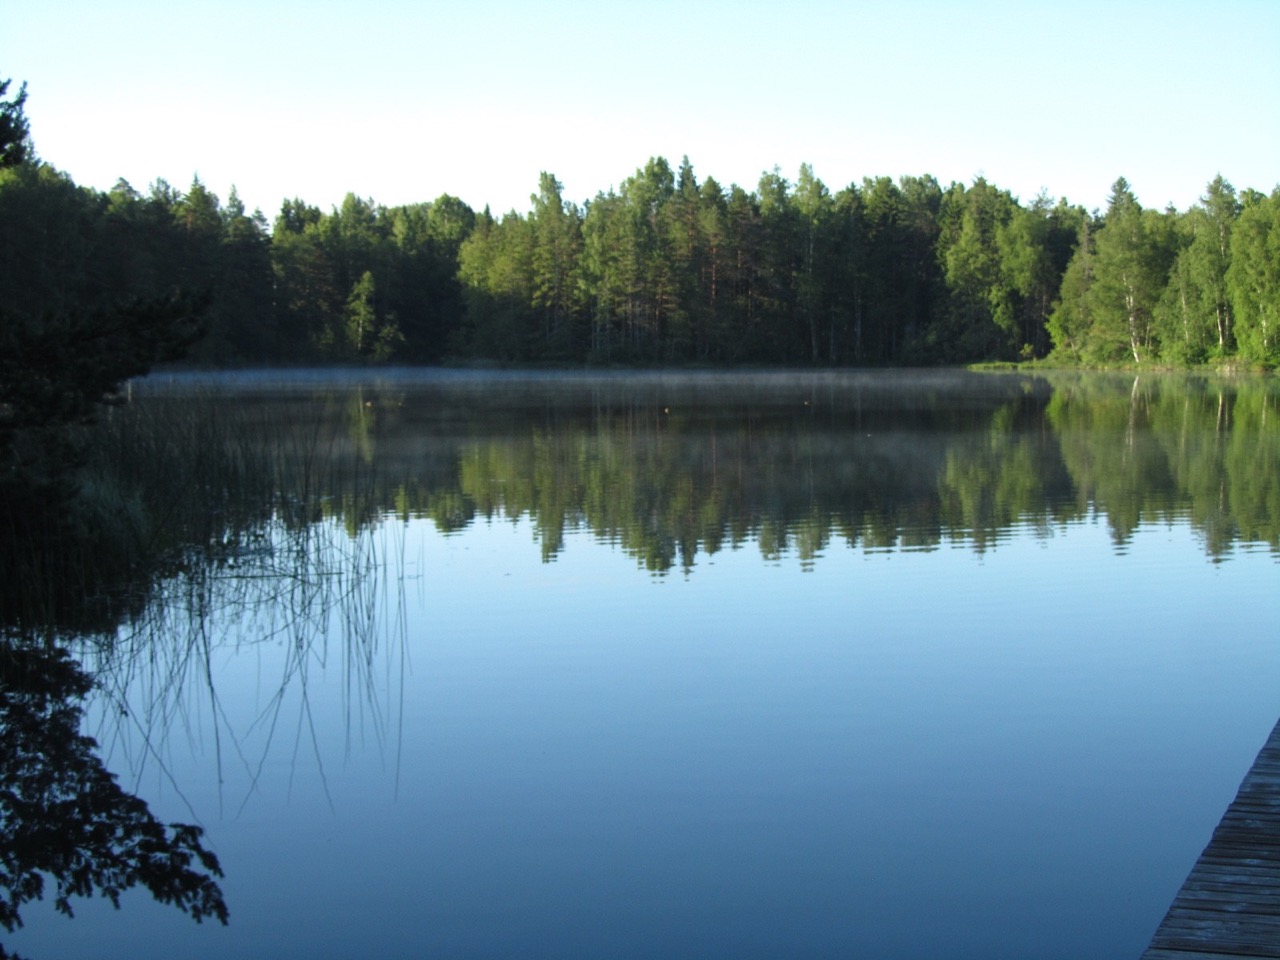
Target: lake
(876, 665)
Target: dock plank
(1229, 905)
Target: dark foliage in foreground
(65, 349)
(53, 377)
(63, 814)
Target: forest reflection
(669, 468)
(267, 511)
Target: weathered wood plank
(1229, 905)
(1239, 908)
(1208, 886)
(1244, 902)
(1214, 925)
(1179, 948)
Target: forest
(666, 269)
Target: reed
(240, 514)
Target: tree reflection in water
(279, 534)
(238, 559)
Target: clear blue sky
(403, 101)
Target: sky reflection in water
(1012, 752)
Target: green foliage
(666, 270)
(57, 372)
(1253, 278)
(64, 816)
(53, 377)
(49, 244)
(1035, 248)
(1112, 291)
(1195, 318)
(422, 286)
(902, 277)
(663, 269)
(1130, 271)
(1070, 325)
(556, 259)
(15, 145)
(369, 332)
(495, 267)
(979, 263)
(361, 319)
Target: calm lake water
(752, 665)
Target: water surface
(720, 666)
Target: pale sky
(400, 102)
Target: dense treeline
(667, 269)
(72, 328)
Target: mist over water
(743, 665)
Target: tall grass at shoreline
(228, 509)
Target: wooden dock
(1229, 906)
